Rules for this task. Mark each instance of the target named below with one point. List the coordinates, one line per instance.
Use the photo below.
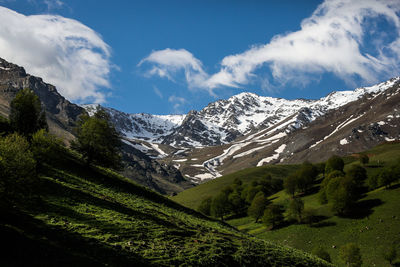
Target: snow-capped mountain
(223, 121)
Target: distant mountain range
(171, 152)
(250, 130)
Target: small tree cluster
(301, 180)
(239, 198)
(386, 177)
(273, 216)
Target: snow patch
(344, 141)
(275, 156)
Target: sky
(170, 57)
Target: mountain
(62, 116)
(249, 130)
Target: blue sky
(166, 57)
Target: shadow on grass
(363, 209)
(30, 242)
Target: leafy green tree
(257, 207)
(205, 206)
(358, 173)
(220, 206)
(26, 113)
(372, 182)
(350, 255)
(290, 184)
(17, 168)
(296, 208)
(390, 254)
(46, 148)
(307, 175)
(237, 204)
(273, 216)
(364, 159)
(386, 177)
(98, 140)
(322, 195)
(341, 193)
(321, 253)
(334, 163)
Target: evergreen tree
(26, 113)
(98, 140)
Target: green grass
(374, 226)
(94, 217)
(192, 197)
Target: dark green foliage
(321, 253)
(372, 182)
(350, 255)
(364, 159)
(236, 203)
(97, 140)
(220, 206)
(341, 194)
(205, 206)
(320, 167)
(390, 254)
(322, 196)
(273, 215)
(358, 173)
(17, 168)
(5, 127)
(386, 177)
(257, 207)
(46, 148)
(334, 163)
(26, 113)
(295, 209)
(290, 184)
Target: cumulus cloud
(333, 39)
(62, 51)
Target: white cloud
(331, 40)
(178, 102)
(157, 92)
(62, 51)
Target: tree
(358, 173)
(321, 253)
(26, 113)
(390, 254)
(296, 208)
(334, 163)
(237, 204)
(350, 255)
(322, 196)
(257, 207)
(46, 148)
(290, 184)
(98, 140)
(307, 175)
(386, 177)
(364, 159)
(220, 206)
(273, 215)
(5, 127)
(341, 193)
(17, 168)
(205, 206)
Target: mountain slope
(62, 116)
(92, 216)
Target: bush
(321, 253)
(350, 255)
(46, 148)
(17, 168)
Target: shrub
(17, 168)
(350, 255)
(46, 148)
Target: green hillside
(91, 216)
(373, 225)
(192, 197)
